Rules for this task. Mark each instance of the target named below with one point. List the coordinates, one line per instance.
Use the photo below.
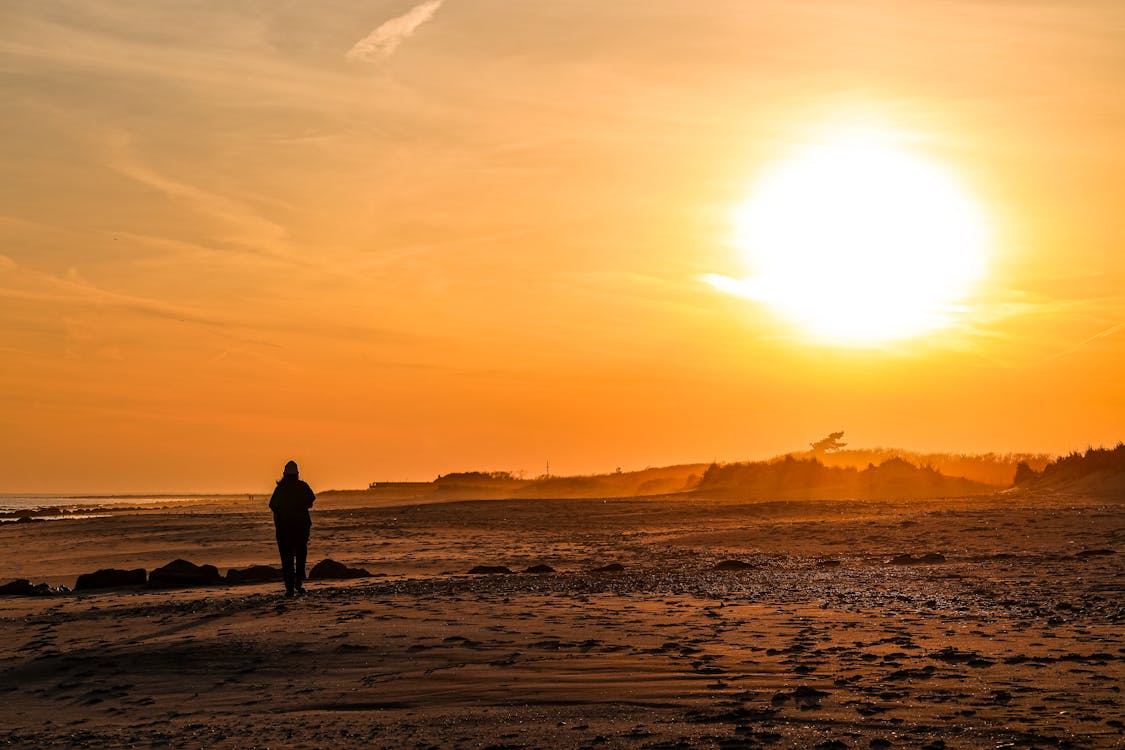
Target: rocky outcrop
(254, 574)
(24, 587)
(184, 574)
(489, 570)
(328, 569)
(734, 565)
(110, 578)
(611, 568)
(539, 569)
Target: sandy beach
(815, 640)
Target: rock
(24, 587)
(254, 574)
(1095, 552)
(30, 519)
(734, 565)
(110, 578)
(929, 558)
(611, 568)
(953, 655)
(805, 696)
(828, 564)
(924, 673)
(329, 568)
(539, 569)
(182, 573)
(489, 570)
(18, 587)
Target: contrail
(383, 41)
(1099, 335)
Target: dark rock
(254, 574)
(929, 558)
(24, 587)
(539, 569)
(330, 569)
(1095, 552)
(953, 655)
(804, 696)
(489, 570)
(18, 587)
(832, 745)
(878, 743)
(30, 519)
(110, 578)
(182, 573)
(828, 564)
(611, 568)
(734, 565)
(924, 673)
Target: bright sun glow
(860, 241)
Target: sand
(1017, 639)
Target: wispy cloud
(1104, 333)
(737, 287)
(21, 283)
(383, 41)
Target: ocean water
(12, 504)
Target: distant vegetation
(1106, 464)
(996, 469)
(829, 469)
(810, 478)
(651, 481)
(663, 480)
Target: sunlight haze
(394, 239)
(859, 242)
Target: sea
(52, 506)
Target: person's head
(290, 470)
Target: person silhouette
(290, 504)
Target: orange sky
(391, 239)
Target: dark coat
(290, 504)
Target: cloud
(737, 287)
(38, 286)
(383, 41)
(1105, 333)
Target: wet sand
(1015, 640)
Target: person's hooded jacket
(290, 503)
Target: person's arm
(310, 498)
(273, 501)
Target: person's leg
(301, 552)
(285, 547)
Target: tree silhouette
(829, 444)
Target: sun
(859, 241)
